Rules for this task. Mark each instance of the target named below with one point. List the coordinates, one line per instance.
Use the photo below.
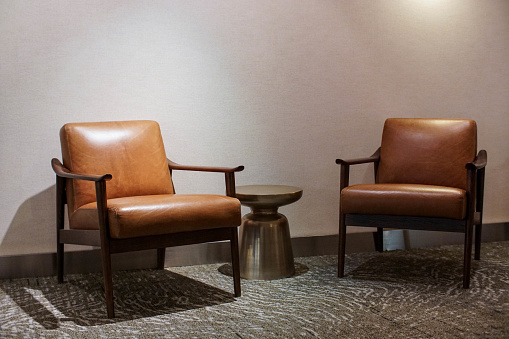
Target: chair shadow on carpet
(138, 294)
(406, 267)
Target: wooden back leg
(234, 246)
(341, 245)
(161, 254)
(60, 187)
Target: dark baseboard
(39, 265)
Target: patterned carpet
(397, 294)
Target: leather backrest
(427, 151)
(131, 151)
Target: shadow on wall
(32, 229)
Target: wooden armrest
(479, 161)
(228, 171)
(174, 166)
(345, 167)
(61, 171)
(374, 158)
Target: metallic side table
(265, 247)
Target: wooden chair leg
(478, 231)
(234, 245)
(108, 282)
(161, 254)
(341, 246)
(378, 237)
(60, 263)
(467, 257)
(60, 187)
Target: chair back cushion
(427, 151)
(131, 151)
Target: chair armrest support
(479, 161)
(373, 158)
(344, 176)
(174, 166)
(100, 191)
(63, 172)
(475, 185)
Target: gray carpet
(397, 294)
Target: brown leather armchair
(117, 184)
(427, 177)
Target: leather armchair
(427, 177)
(117, 184)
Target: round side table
(265, 246)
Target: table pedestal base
(265, 247)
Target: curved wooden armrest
(479, 161)
(374, 158)
(61, 171)
(174, 166)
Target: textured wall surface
(282, 87)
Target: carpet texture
(397, 294)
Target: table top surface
(267, 190)
(267, 196)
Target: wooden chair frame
(101, 237)
(475, 195)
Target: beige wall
(282, 87)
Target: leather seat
(161, 214)
(405, 199)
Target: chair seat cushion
(161, 214)
(404, 199)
